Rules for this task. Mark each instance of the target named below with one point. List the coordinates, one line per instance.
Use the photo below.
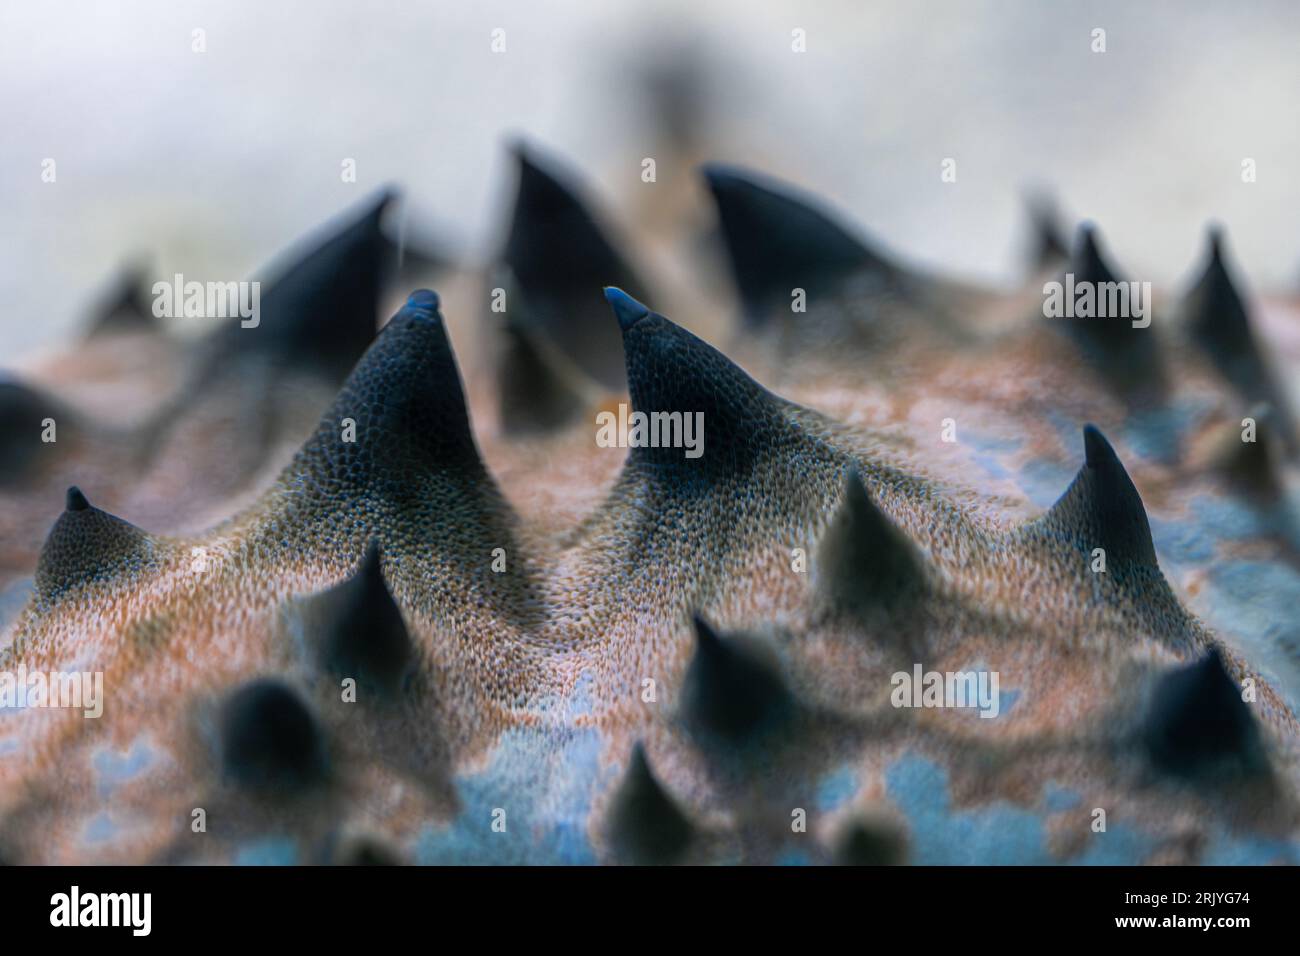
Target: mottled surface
(633, 655)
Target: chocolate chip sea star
(433, 640)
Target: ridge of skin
(513, 667)
(529, 690)
(235, 405)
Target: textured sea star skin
(525, 691)
(231, 416)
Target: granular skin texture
(575, 618)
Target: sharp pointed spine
(1048, 246)
(646, 824)
(24, 414)
(88, 545)
(1102, 509)
(367, 637)
(540, 389)
(408, 403)
(320, 307)
(560, 257)
(670, 371)
(270, 741)
(777, 241)
(1126, 354)
(1198, 720)
(1216, 312)
(864, 561)
(732, 692)
(124, 310)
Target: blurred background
(210, 162)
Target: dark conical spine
(270, 741)
(646, 824)
(24, 412)
(1089, 264)
(560, 259)
(124, 310)
(669, 370)
(362, 849)
(540, 390)
(408, 405)
(1253, 465)
(1102, 508)
(871, 843)
(1048, 247)
(1218, 320)
(1127, 355)
(534, 396)
(731, 692)
(86, 545)
(394, 459)
(1216, 312)
(321, 307)
(777, 241)
(864, 560)
(367, 637)
(1198, 720)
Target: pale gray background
(211, 162)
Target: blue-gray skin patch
(545, 779)
(990, 450)
(1180, 543)
(13, 599)
(99, 829)
(1042, 480)
(270, 851)
(1120, 845)
(836, 788)
(1005, 835)
(1057, 798)
(1008, 701)
(1154, 433)
(999, 835)
(1255, 603)
(1223, 850)
(114, 768)
(1227, 518)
